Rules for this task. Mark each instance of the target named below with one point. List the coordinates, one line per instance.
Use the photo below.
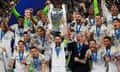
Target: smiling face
(92, 45)
(58, 40)
(78, 18)
(28, 13)
(21, 45)
(79, 37)
(98, 20)
(26, 37)
(116, 24)
(107, 42)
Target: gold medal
(57, 57)
(95, 62)
(98, 38)
(79, 54)
(119, 41)
(0, 41)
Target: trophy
(57, 13)
(56, 16)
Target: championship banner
(56, 16)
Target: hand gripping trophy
(56, 14)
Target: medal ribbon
(117, 34)
(29, 24)
(79, 48)
(94, 56)
(43, 41)
(20, 30)
(21, 56)
(98, 30)
(57, 50)
(78, 27)
(108, 52)
(36, 62)
(26, 46)
(91, 23)
(2, 34)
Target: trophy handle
(49, 13)
(64, 13)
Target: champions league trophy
(56, 16)
(56, 13)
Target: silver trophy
(56, 16)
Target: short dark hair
(98, 14)
(117, 19)
(107, 37)
(79, 13)
(33, 47)
(21, 17)
(25, 32)
(37, 10)
(20, 41)
(58, 36)
(91, 40)
(40, 27)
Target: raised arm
(15, 12)
(10, 65)
(27, 68)
(43, 67)
(106, 13)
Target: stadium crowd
(68, 37)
